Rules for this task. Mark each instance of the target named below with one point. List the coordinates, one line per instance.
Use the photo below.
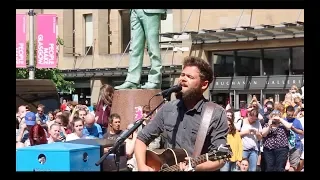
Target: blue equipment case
(109, 163)
(58, 156)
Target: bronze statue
(145, 26)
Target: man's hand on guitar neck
(186, 165)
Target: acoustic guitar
(169, 159)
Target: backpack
(291, 139)
(259, 142)
(241, 123)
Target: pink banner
(138, 113)
(46, 41)
(21, 41)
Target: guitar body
(163, 158)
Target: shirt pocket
(194, 133)
(168, 130)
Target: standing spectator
(63, 105)
(250, 131)
(275, 142)
(294, 152)
(235, 142)
(104, 106)
(41, 117)
(301, 165)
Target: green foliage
(54, 74)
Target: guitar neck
(194, 162)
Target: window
(249, 62)
(280, 60)
(275, 62)
(126, 34)
(166, 26)
(223, 64)
(88, 34)
(298, 60)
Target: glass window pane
(223, 63)
(298, 60)
(249, 62)
(280, 59)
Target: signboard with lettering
(257, 82)
(46, 41)
(21, 39)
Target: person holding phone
(250, 132)
(275, 142)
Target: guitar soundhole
(164, 166)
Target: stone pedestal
(125, 101)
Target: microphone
(167, 92)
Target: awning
(249, 33)
(32, 91)
(115, 72)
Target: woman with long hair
(77, 127)
(104, 106)
(250, 131)
(37, 135)
(235, 142)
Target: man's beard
(189, 95)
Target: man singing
(180, 119)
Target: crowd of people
(270, 136)
(264, 136)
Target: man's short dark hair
(113, 116)
(206, 72)
(290, 109)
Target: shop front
(242, 88)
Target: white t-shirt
(249, 141)
(73, 136)
(237, 116)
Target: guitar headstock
(223, 152)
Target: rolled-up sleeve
(219, 129)
(153, 129)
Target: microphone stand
(115, 149)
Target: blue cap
(30, 119)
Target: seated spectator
(91, 128)
(29, 121)
(63, 121)
(37, 135)
(114, 127)
(244, 165)
(77, 126)
(55, 136)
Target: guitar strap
(203, 128)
